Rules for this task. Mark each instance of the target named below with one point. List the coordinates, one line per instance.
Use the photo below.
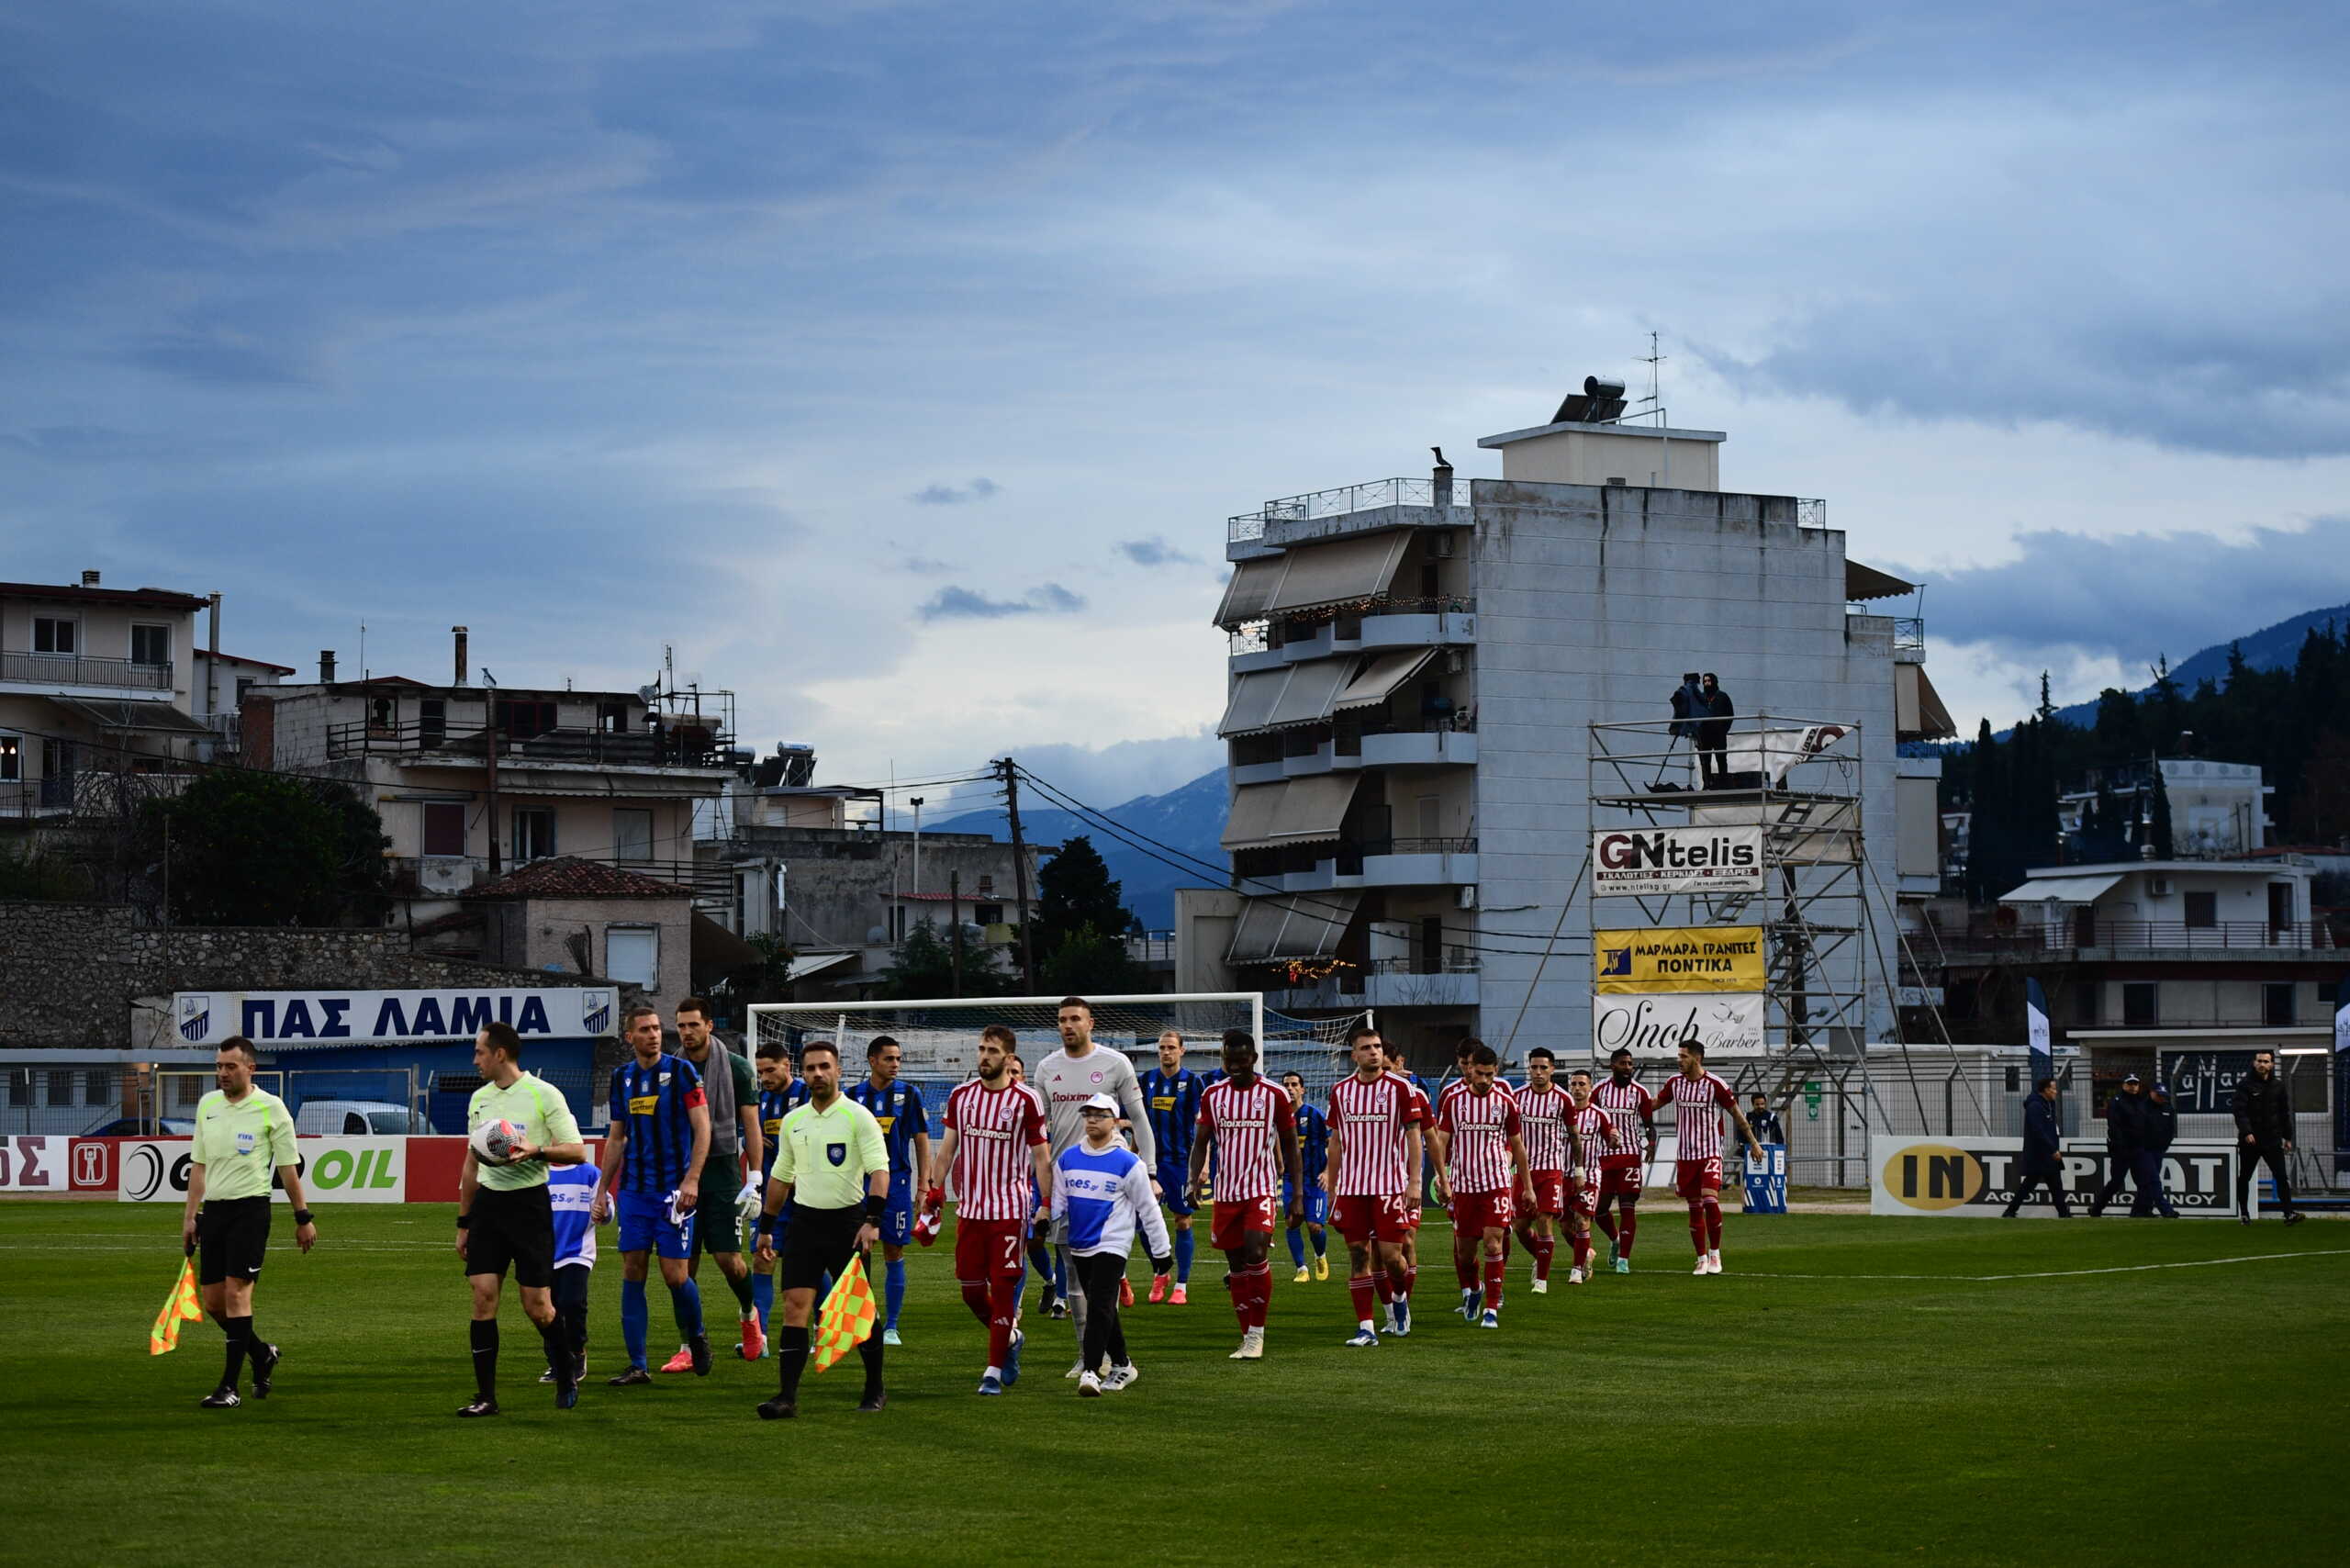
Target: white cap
(1100, 1102)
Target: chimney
(1440, 481)
(326, 667)
(459, 633)
(89, 579)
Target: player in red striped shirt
(1591, 1133)
(1542, 1106)
(1247, 1124)
(1697, 1099)
(1632, 1107)
(1372, 1176)
(1481, 1160)
(994, 1143)
(1392, 1289)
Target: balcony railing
(75, 669)
(1419, 846)
(1909, 633)
(1455, 961)
(680, 746)
(429, 876)
(2245, 936)
(1347, 498)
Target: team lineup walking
(1060, 1175)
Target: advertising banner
(1659, 1026)
(334, 1170)
(1976, 1176)
(1658, 861)
(1677, 958)
(36, 1163)
(389, 1017)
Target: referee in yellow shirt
(830, 1166)
(243, 1134)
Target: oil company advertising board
(1659, 1026)
(1977, 1176)
(389, 1017)
(1659, 861)
(334, 1170)
(1676, 958)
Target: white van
(349, 1118)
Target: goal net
(940, 1037)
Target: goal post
(940, 1036)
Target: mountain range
(1187, 821)
(2271, 647)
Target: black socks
(485, 1357)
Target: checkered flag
(846, 1319)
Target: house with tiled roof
(576, 916)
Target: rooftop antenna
(1655, 399)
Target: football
(495, 1140)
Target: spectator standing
(1713, 733)
(2264, 1112)
(1764, 1121)
(2043, 1161)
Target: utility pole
(1009, 771)
(489, 737)
(955, 927)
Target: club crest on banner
(195, 1017)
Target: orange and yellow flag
(846, 1319)
(180, 1307)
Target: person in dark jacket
(2125, 1128)
(1688, 702)
(2264, 1130)
(2043, 1163)
(1713, 732)
(2159, 1127)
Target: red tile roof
(153, 598)
(566, 877)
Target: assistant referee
(504, 1216)
(832, 1167)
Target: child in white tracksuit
(1104, 1190)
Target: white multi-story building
(1415, 666)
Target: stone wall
(70, 972)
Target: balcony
(52, 671)
(450, 876)
(1375, 863)
(1419, 748)
(1321, 514)
(679, 746)
(1388, 982)
(1995, 937)
(1448, 622)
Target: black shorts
(230, 1237)
(511, 1227)
(821, 1242)
(717, 1224)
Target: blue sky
(900, 363)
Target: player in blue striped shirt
(1314, 1149)
(905, 1132)
(1170, 1094)
(653, 1155)
(778, 1092)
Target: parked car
(143, 1127)
(349, 1118)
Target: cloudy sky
(899, 363)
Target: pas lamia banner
(1659, 1026)
(1661, 861)
(1673, 958)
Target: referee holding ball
(832, 1167)
(504, 1218)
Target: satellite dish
(648, 692)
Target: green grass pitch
(1854, 1390)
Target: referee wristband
(302, 1217)
(876, 1209)
(465, 1222)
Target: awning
(1933, 719)
(1295, 810)
(2062, 890)
(1378, 682)
(1250, 589)
(815, 963)
(1340, 572)
(1867, 582)
(1294, 694)
(1270, 930)
(153, 718)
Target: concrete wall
(532, 934)
(838, 884)
(1592, 601)
(1638, 455)
(69, 974)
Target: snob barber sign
(1661, 861)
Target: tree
(1075, 890)
(1088, 961)
(923, 966)
(244, 847)
(2166, 847)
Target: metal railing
(1152, 948)
(77, 669)
(682, 745)
(1994, 932)
(1454, 845)
(1250, 638)
(711, 885)
(1344, 499)
(1909, 632)
(1810, 512)
(1454, 961)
